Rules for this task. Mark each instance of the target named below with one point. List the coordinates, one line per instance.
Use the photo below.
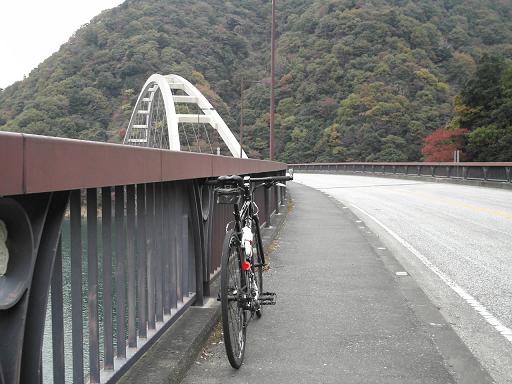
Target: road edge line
(469, 299)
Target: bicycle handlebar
(270, 179)
(237, 181)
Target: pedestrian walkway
(342, 313)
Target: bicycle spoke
(232, 312)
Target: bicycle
(243, 259)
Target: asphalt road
(343, 314)
(455, 241)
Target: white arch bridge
(171, 113)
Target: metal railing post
(59, 376)
(76, 286)
(199, 249)
(92, 279)
(186, 256)
(276, 198)
(106, 237)
(130, 252)
(141, 260)
(159, 307)
(120, 271)
(167, 246)
(267, 207)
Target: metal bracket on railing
(14, 283)
(200, 217)
(205, 196)
(30, 233)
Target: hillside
(88, 88)
(358, 80)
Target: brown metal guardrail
(127, 238)
(494, 172)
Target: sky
(31, 30)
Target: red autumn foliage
(440, 145)
(122, 133)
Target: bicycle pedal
(267, 298)
(267, 301)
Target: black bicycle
(243, 260)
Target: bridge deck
(343, 315)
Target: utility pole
(273, 80)
(241, 114)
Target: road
(345, 313)
(456, 241)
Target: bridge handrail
(417, 163)
(32, 164)
(144, 236)
(480, 171)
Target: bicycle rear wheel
(232, 285)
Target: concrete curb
(169, 359)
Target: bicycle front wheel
(232, 286)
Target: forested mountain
(357, 79)
(482, 124)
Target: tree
(485, 108)
(490, 143)
(440, 145)
(393, 149)
(330, 146)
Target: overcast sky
(31, 30)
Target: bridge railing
(494, 172)
(102, 247)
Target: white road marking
(486, 315)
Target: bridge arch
(162, 118)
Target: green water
(66, 281)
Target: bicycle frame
(245, 216)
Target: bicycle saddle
(233, 179)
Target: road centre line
(457, 203)
(480, 308)
(370, 186)
(418, 195)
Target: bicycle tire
(258, 270)
(233, 316)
